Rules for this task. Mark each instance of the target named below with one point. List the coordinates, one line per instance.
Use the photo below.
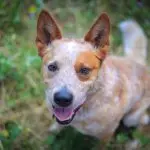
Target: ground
(24, 117)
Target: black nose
(63, 97)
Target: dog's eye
(53, 67)
(85, 71)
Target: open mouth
(64, 115)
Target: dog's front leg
(107, 138)
(104, 141)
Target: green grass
(24, 117)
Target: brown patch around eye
(87, 60)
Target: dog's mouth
(64, 115)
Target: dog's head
(70, 67)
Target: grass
(24, 117)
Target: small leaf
(50, 139)
(13, 129)
(121, 138)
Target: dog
(135, 42)
(86, 87)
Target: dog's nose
(63, 97)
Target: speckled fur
(121, 84)
(120, 91)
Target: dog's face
(70, 67)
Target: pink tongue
(63, 113)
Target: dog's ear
(98, 35)
(47, 31)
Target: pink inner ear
(47, 31)
(98, 34)
(47, 26)
(102, 53)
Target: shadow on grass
(13, 136)
(70, 139)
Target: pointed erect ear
(98, 35)
(47, 31)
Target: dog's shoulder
(117, 70)
(124, 64)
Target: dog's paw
(132, 145)
(145, 119)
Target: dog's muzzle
(62, 108)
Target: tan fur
(117, 89)
(92, 62)
(116, 100)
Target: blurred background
(24, 118)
